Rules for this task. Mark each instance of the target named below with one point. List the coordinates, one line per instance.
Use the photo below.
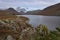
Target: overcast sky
(30, 4)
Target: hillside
(9, 11)
(53, 10)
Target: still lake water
(50, 21)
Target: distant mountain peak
(11, 9)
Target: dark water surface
(50, 21)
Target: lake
(50, 21)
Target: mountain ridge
(53, 10)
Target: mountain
(9, 11)
(35, 12)
(53, 10)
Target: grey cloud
(27, 3)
